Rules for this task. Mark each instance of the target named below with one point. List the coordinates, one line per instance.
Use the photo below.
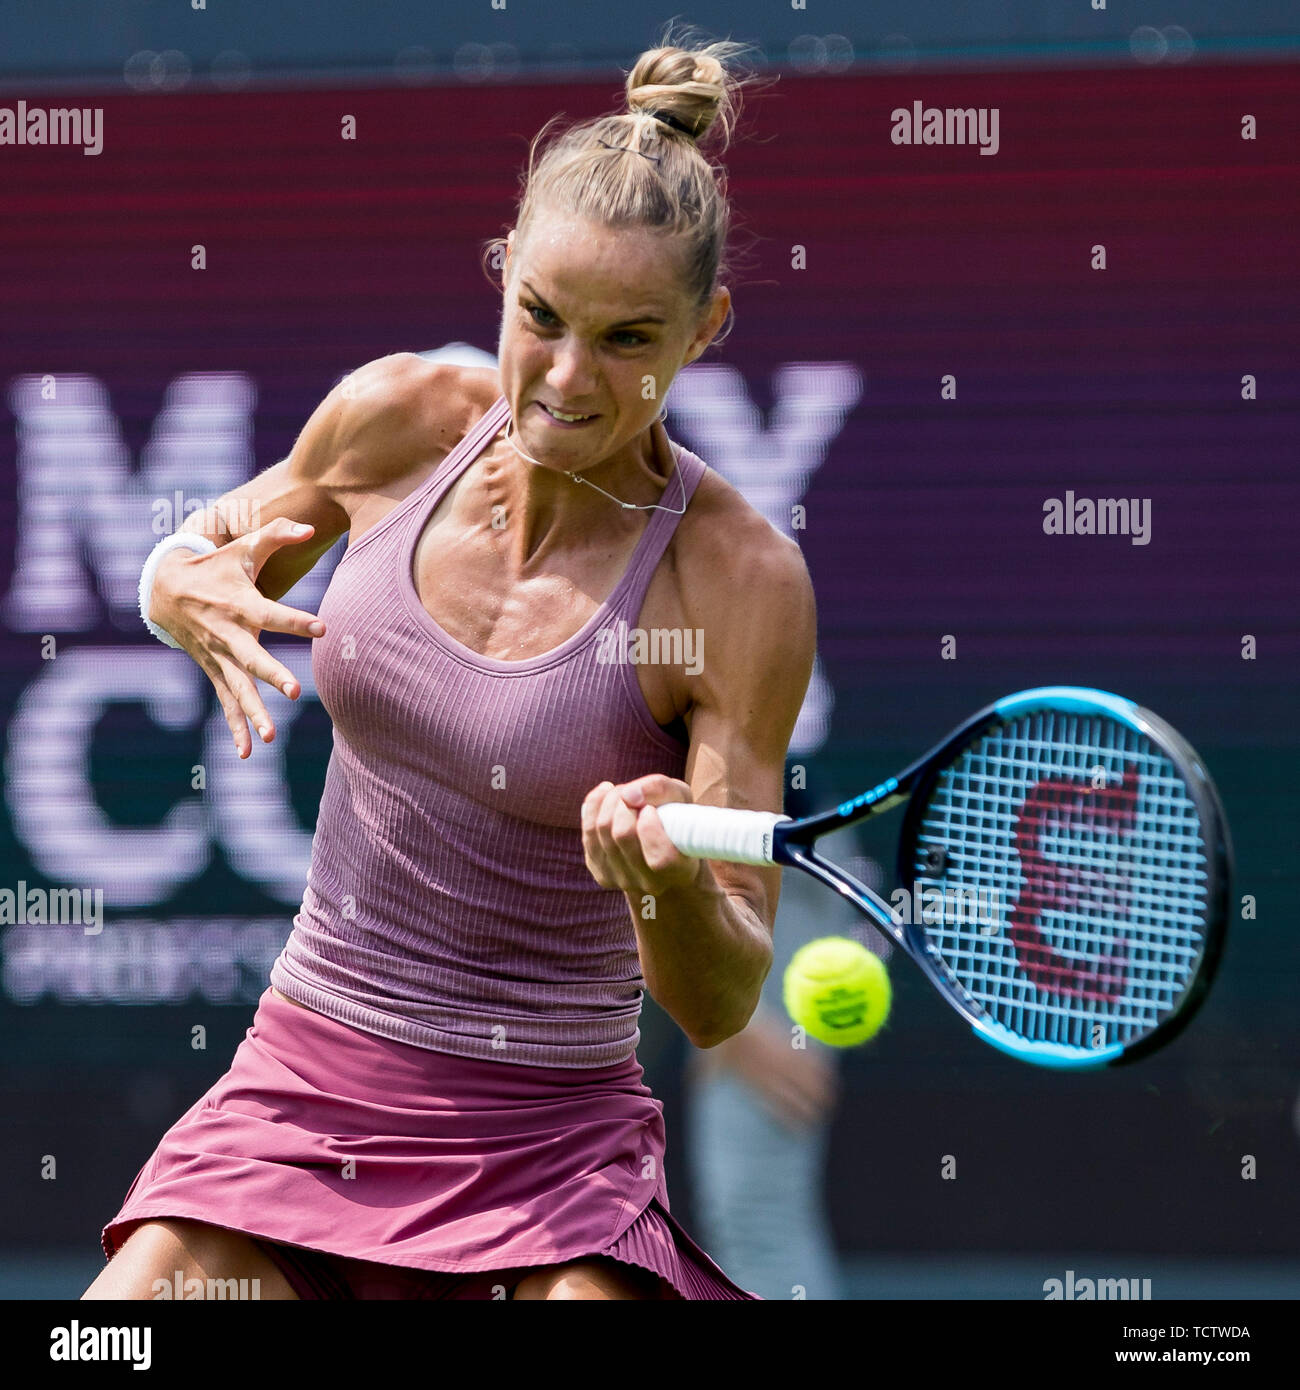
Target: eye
(544, 318)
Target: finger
(591, 804)
(657, 789)
(662, 858)
(270, 616)
(258, 662)
(600, 812)
(592, 849)
(609, 822)
(633, 794)
(244, 689)
(657, 849)
(235, 717)
(622, 842)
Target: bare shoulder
(390, 417)
(734, 567)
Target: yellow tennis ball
(838, 991)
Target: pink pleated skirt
(368, 1168)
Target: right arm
(366, 439)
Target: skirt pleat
(656, 1241)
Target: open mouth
(565, 417)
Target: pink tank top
(448, 902)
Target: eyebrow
(624, 323)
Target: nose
(572, 373)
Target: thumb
(261, 544)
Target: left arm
(704, 928)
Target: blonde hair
(634, 170)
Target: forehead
(598, 272)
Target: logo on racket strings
(1083, 882)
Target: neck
(545, 509)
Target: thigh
(596, 1277)
(174, 1249)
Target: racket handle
(717, 832)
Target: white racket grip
(717, 832)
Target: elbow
(735, 1019)
(732, 1006)
(715, 1033)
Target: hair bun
(692, 87)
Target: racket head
(1071, 853)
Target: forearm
(210, 522)
(272, 495)
(704, 956)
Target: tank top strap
(627, 599)
(471, 446)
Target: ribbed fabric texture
(448, 902)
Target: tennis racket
(1065, 865)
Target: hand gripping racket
(1066, 863)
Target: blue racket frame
(793, 844)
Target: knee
(149, 1253)
(174, 1251)
(589, 1280)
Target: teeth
(556, 414)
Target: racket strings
(1077, 840)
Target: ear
(710, 325)
(502, 263)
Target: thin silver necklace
(578, 478)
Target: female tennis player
(439, 1096)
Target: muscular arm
(365, 436)
(369, 440)
(708, 947)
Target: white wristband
(188, 540)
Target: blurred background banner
(934, 344)
(151, 44)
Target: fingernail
(316, 629)
(287, 687)
(299, 529)
(263, 729)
